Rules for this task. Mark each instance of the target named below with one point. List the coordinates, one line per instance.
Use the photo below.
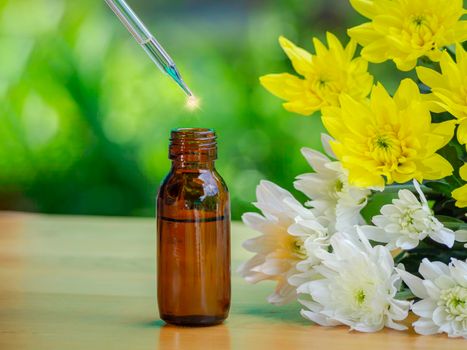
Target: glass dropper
(149, 43)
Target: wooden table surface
(89, 283)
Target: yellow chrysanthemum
(404, 30)
(327, 75)
(449, 88)
(460, 194)
(388, 138)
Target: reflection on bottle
(175, 338)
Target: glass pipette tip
(148, 42)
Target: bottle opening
(193, 145)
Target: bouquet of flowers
(367, 273)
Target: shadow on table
(288, 313)
(154, 324)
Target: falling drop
(192, 103)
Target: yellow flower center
(386, 149)
(420, 31)
(418, 20)
(454, 303)
(382, 142)
(326, 86)
(298, 247)
(322, 83)
(389, 152)
(339, 185)
(360, 296)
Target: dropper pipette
(149, 43)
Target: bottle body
(193, 237)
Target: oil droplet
(192, 103)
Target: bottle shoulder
(202, 189)
(221, 180)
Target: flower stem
(399, 257)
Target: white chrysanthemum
(277, 251)
(443, 308)
(329, 189)
(406, 222)
(355, 285)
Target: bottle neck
(193, 148)
(180, 164)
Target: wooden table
(89, 283)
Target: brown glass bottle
(193, 234)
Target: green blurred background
(85, 115)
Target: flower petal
(444, 236)
(376, 234)
(425, 326)
(284, 85)
(325, 140)
(424, 308)
(414, 283)
(432, 269)
(300, 58)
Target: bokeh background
(85, 115)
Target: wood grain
(89, 283)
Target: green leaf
(453, 153)
(405, 294)
(441, 117)
(452, 223)
(440, 187)
(445, 218)
(375, 202)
